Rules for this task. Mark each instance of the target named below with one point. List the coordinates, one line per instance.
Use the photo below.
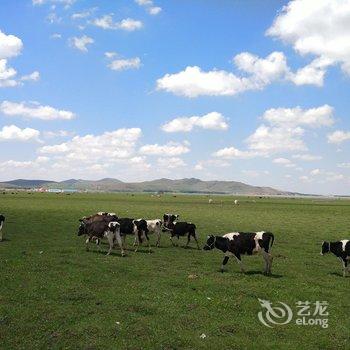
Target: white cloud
(149, 4)
(258, 73)
(315, 172)
(125, 64)
(110, 54)
(81, 43)
(211, 163)
(127, 24)
(10, 45)
(53, 18)
(14, 133)
(210, 121)
(83, 14)
(291, 117)
(322, 30)
(58, 133)
(267, 139)
(66, 3)
(109, 146)
(10, 164)
(168, 150)
(155, 10)
(170, 163)
(338, 136)
(34, 110)
(344, 165)
(282, 161)
(56, 36)
(233, 153)
(7, 75)
(35, 76)
(306, 157)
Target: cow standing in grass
(341, 249)
(138, 228)
(183, 229)
(2, 220)
(100, 228)
(243, 243)
(153, 226)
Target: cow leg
(171, 239)
(345, 266)
(268, 262)
(188, 240)
(149, 245)
(120, 243)
(0, 234)
(158, 239)
(87, 243)
(110, 237)
(224, 262)
(238, 258)
(124, 241)
(137, 240)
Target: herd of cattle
(234, 244)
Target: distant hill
(187, 185)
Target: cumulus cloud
(344, 165)
(285, 162)
(313, 117)
(150, 7)
(211, 163)
(81, 43)
(233, 153)
(33, 110)
(322, 30)
(10, 45)
(170, 149)
(14, 133)
(338, 136)
(210, 121)
(256, 74)
(23, 164)
(267, 139)
(107, 22)
(66, 3)
(123, 64)
(83, 14)
(35, 76)
(170, 163)
(56, 36)
(109, 146)
(307, 157)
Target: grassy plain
(55, 295)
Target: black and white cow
(138, 228)
(97, 230)
(243, 243)
(168, 221)
(2, 220)
(183, 229)
(153, 226)
(340, 249)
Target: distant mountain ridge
(186, 185)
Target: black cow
(2, 220)
(241, 243)
(182, 229)
(340, 249)
(97, 230)
(169, 221)
(138, 228)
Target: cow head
(210, 244)
(325, 247)
(81, 229)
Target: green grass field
(55, 295)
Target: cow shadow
(104, 252)
(252, 273)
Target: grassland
(55, 295)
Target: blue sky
(233, 90)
